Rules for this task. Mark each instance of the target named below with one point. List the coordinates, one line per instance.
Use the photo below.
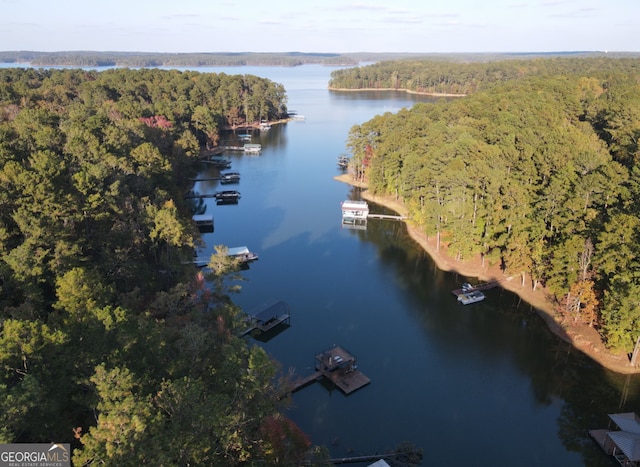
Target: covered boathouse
(624, 443)
(204, 222)
(339, 367)
(355, 209)
(266, 318)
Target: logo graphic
(58, 446)
(35, 455)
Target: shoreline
(254, 125)
(408, 91)
(581, 336)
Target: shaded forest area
(109, 337)
(536, 171)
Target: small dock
(204, 222)
(269, 317)
(338, 366)
(601, 438)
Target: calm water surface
(485, 384)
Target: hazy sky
(320, 26)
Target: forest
(430, 76)
(109, 337)
(535, 170)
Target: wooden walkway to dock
(386, 216)
(208, 179)
(302, 382)
(483, 286)
(194, 196)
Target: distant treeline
(145, 59)
(537, 171)
(139, 59)
(455, 77)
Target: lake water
(484, 384)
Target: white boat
(343, 161)
(473, 296)
(229, 177)
(252, 148)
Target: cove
(484, 384)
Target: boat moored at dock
(474, 296)
(229, 177)
(227, 196)
(343, 161)
(218, 161)
(469, 293)
(252, 148)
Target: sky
(329, 26)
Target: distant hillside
(145, 59)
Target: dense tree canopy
(451, 77)
(538, 174)
(107, 334)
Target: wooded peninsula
(536, 171)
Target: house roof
(271, 312)
(627, 421)
(238, 250)
(202, 217)
(629, 443)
